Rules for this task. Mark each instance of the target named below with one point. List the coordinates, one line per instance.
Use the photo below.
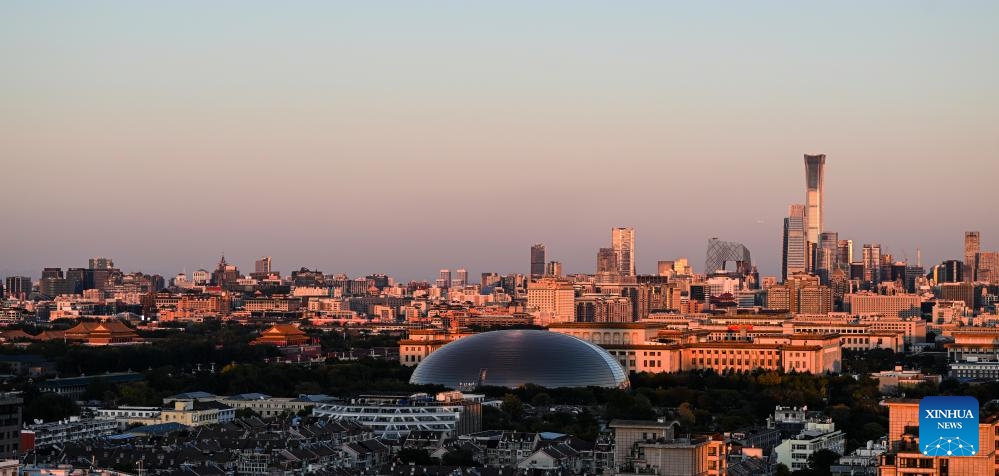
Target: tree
(782, 470)
(542, 400)
(685, 415)
(416, 456)
(49, 407)
(459, 457)
(512, 406)
(821, 461)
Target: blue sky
(403, 137)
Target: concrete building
(816, 436)
(957, 291)
(651, 347)
(987, 270)
(972, 246)
(62, 432)
(196, 412)
(898, 305)
(603, 308)
(652, 448)
(905, 458)
(11, 405)
(262, 266)
(551, 300)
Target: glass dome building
(511, 358)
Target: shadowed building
(537, 260)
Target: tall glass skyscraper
(814, 170)
(538, 260)
(794, 249)
(623, 243)
(828, 255)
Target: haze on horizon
(404, 137)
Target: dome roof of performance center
(511, 358)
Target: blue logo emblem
(948, 426)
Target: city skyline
(872, 253)
(429, 136)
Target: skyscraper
(664, 268)
(845, 252)
(554, 268)
(607, 261)
(987, 270)
(972, 246)
(538, 260)
(101, 263)
(444, 279)
(872, 263)
(814, 169)
(461, 278)
(794, 246)
(262, 265)
(828, 255)
(18, 287)
(623, 243)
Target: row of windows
(769, 362)
(734, 352)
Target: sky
(404, 137)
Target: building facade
(623, 244)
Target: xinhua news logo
(948, 426)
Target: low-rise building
(62, 432)
(651, 447)
(395, 416)
(194, 412)
(816, 436)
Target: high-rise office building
(665, 268)
(795, 247)
(554, 268)
(987, 269)
(607, 261)
(101, 263)
(845, 252)
(537, 260)
(828, 255)
(461, 276)
(814, 171)
(18, 287)
(262, 265)
(444, 279)
(972, 246)
(872, 263)
(623, 243)
(950, 271)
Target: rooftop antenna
(919, 257)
